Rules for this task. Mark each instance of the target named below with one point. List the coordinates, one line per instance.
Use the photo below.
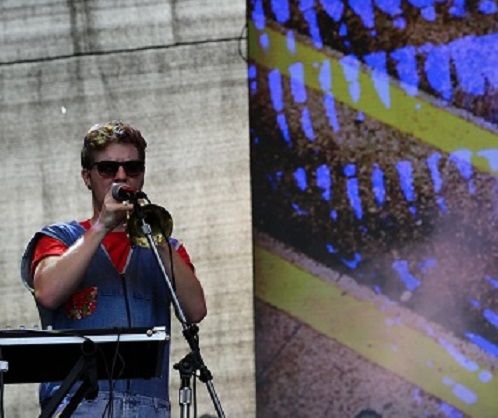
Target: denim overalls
(137, 298)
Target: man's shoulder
(67, 232)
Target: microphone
(122, 192)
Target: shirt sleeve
(182, 252)
(45, 247)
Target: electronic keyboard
(30, 356)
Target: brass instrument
(159, 220)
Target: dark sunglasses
(133, 168)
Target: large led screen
(374, 155)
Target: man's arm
(58, 277)
(188, 288)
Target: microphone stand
(192, 361)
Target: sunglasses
(133, 168)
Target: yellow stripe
(360, 326)
(408, 114)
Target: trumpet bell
(159, 220)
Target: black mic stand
(192, 361)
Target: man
(86, 275)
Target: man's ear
(85, 175)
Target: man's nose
(120, 174)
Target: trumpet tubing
(159, 220)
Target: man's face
(101, 182)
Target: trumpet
(159, 220)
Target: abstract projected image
(374, 158)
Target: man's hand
(113, 214)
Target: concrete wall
(173, 69)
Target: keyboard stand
(85, 369)
(29, 356)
